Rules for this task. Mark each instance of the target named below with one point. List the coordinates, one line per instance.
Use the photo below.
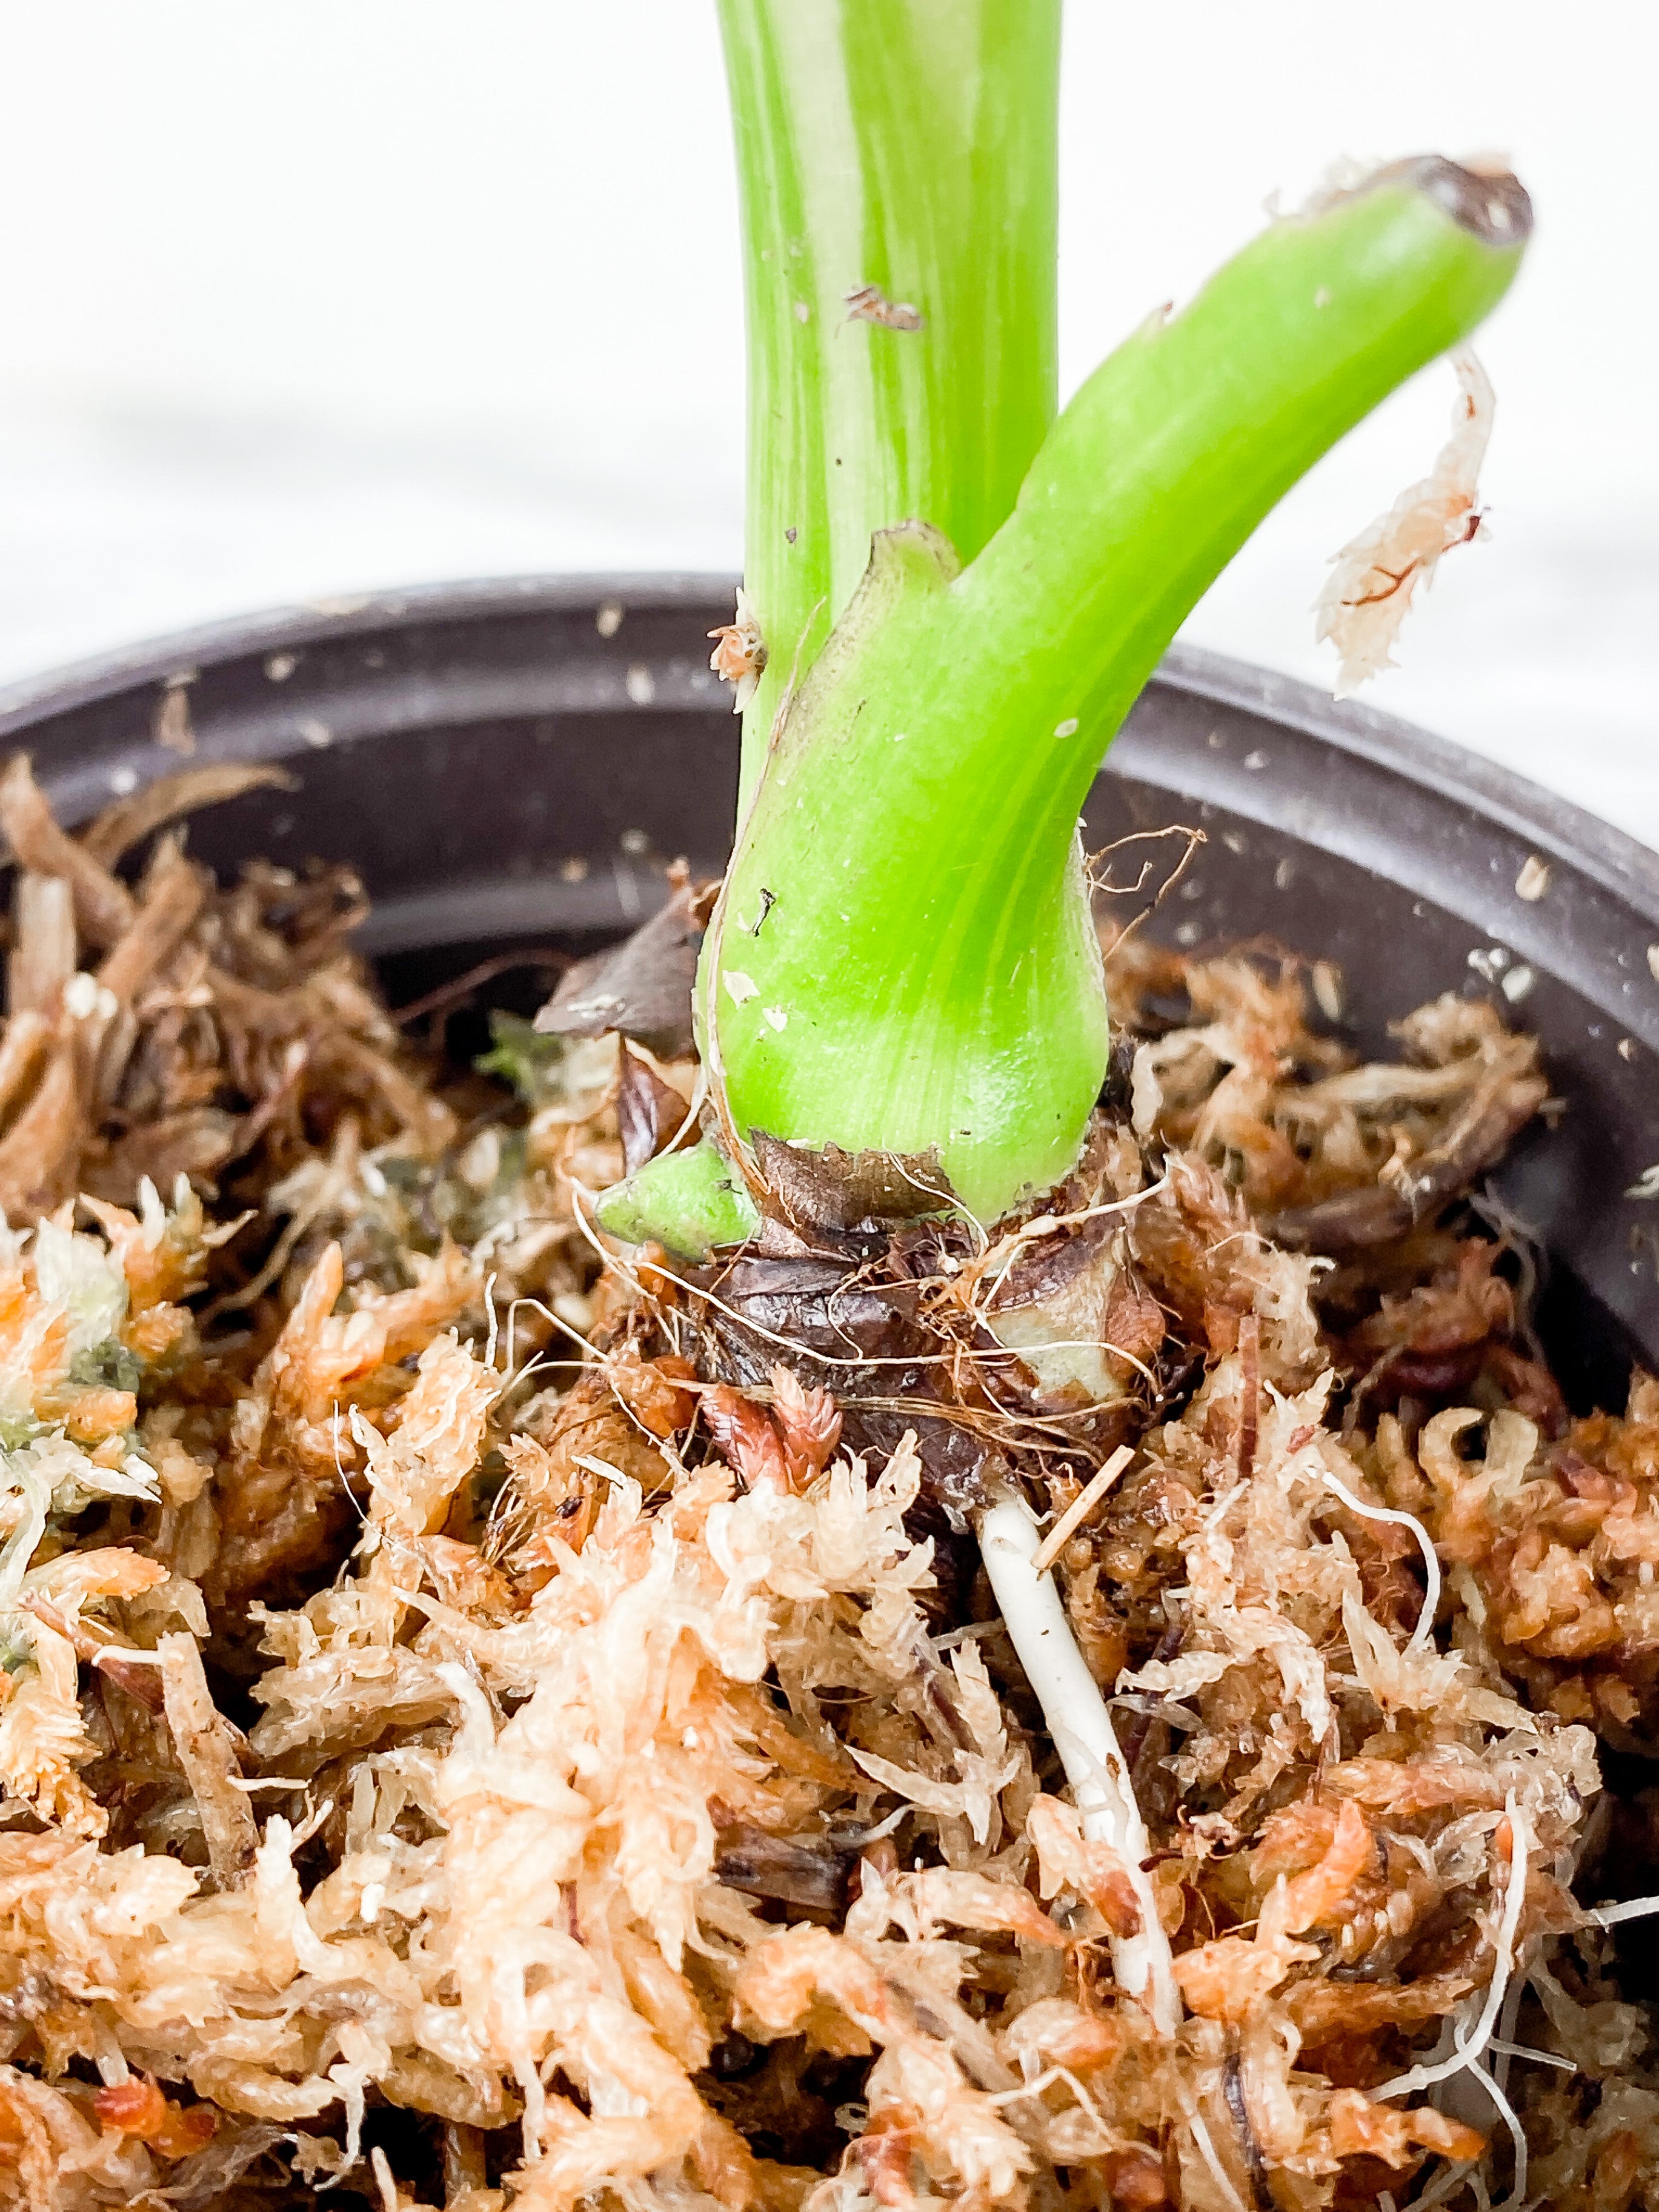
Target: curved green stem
(903, 959)
(909, 145)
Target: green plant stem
(904, 958)
(909, 144)
(690, 1201)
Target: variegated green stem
(908, 145)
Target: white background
(301, 298)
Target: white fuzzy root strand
(1082, 1730)
(1633, 1908)
(1422, 1637)
(1471, 2038)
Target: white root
(1370, 588)
(1422, 1636)
(1470, 2048)
(1515, 2201)
(1633, 1908)
(1530, 2053)
(1440, 2188)
(1082, 1729)
(1207, 2151)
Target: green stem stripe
(910, 145)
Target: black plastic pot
(514, 762)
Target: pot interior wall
(512, 766)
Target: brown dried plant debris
(1331, 1156)
(171, 1027)
(740, 654)
(1553, 1545)
(870, 304)
(490, 1722)
(1374, 578)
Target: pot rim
(1552, 826)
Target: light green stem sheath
(904, 958)
(910, 145)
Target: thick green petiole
(924, 974)
(904, 960)
(906, 145)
